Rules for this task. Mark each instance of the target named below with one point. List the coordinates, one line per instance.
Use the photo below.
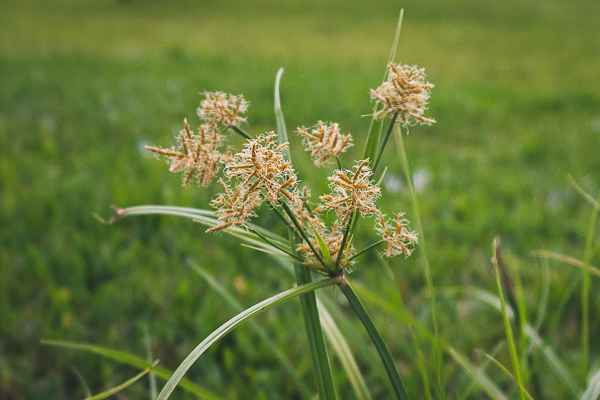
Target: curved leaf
(232, 324)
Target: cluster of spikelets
(262, 171)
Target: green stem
(240, 131)
(339, 163)
(425, 261)
(302, 232)
(269, 241)
(585, 290)
(343, 244)
(385, 140)
(384, 353)
(369, 247)
(314, 334)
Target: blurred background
(84, 85)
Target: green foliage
(86, 85)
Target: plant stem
(343, 244)
(585, 290)
(441, 377)
(240, 131)
(384, 353)
(385, 140)
(369, 247)
(314, 333)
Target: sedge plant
(262, 172)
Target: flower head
(396, 234)
(196, 155)
(234, 207)
(405, 92)
(325, 141)
(221, 108)
(262, 165)
(333, 240)
(303, 211)
(352, 191)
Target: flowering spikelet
(262, 165)
(399, 237)
(325, 141)
(220, 108)
(352, 191)
(302, 210)
(406, 93)
(333, 241)
(196, 155)
(234, 207)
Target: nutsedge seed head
(405, 92)
(396, 234)
(325, 141)
(352, 191)
(222, 108)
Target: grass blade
(593, 390)
(478, 375)
(507, 372)
(509, 334)
(118, 388)
(280, 122)
(232, 324)
(551, 358)
(402, 316)
(551, 255)
(328, 261)
(425, 261)
(376, 126)
(583, 193)
(308, 301)
(585, 289)
(135, 361)
(279, 355)
(384, 353)
(340, 345)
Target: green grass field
(84, 85)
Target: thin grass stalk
(270, 242)
(376, 126)
(316, 340)
(585, 290)
(369, 247)
(240, 131)
(232, 324)
(153, 387)
(237, 307)
(441, 376)
(385, 140)
(134, 361)
(118, 388)
(411, 330)
(507, 327)
(384, 353)
(308, 301)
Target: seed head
(303, 211)
(234, 207)
(221, 108)
(195, 154)
(325, 141)
(405, 92)
(396, 234)
(352, 191)
(333, 240)
(262, 165)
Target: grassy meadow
(85, 85)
